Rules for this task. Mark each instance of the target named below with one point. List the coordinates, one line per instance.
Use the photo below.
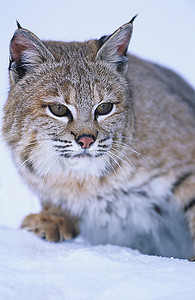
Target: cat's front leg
(51, 227)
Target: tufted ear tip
(133, 19)
(18, 25)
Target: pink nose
(85, 141)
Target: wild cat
(106, 140)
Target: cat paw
(192, 259)
(49, 227)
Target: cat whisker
(24, 162)
(133, 167)
(112, 169)
(47, 171)
(41, 167)
(126, 163)
(110, 155)
(134, 139)
(29, 158)
(126, 146)
(31, 146)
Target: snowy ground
(33, 269)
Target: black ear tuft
(133, 19)
(18, 25)
(113, 48)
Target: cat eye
(103, 109)
(59, 110)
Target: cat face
(68, 122)
(66, 111)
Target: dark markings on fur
(26, 160)
(99, 198)
(20, 70)
(157, 209)
(138, 193)
(124, 192)
(103, 140)
(99, 154)
(142, 194)
(180, 180)
(65, 155)
(73, 134)
(51, 133)
(103, 146)
(17, 68)
(189, 205)
(30, 167)
(61, 141)
(62, 146)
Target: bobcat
(106, 140)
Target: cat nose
(85, 141)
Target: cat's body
(123, 172)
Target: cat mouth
(86, 154)
(79, 155)
(82, 155)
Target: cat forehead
(79, 98)
(71, 85)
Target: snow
(34, 269)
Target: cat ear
(113, 48)
(26, 53)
